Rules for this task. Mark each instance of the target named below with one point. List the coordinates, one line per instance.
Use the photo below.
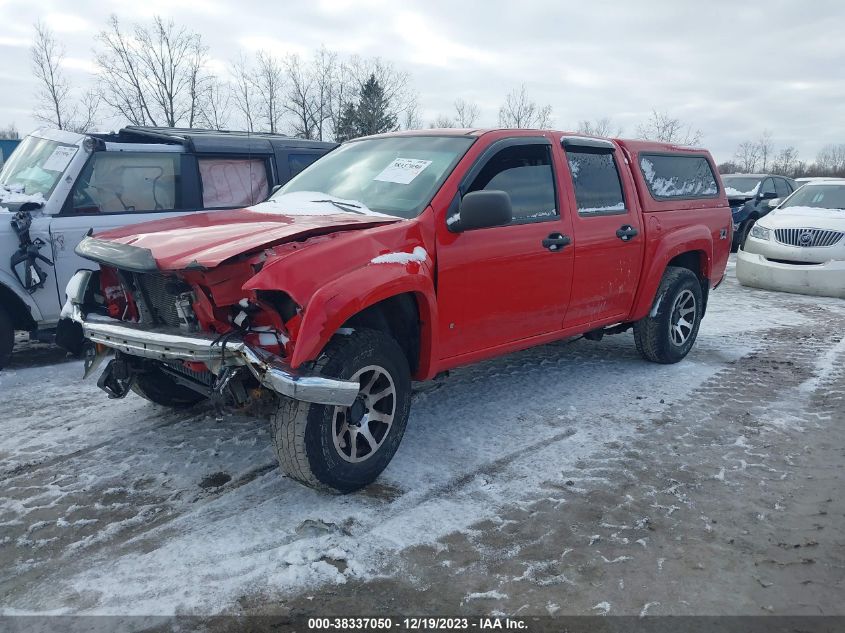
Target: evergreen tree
(373, 115)
(347, 123)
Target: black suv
(752, 196)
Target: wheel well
(18, 311)
(398, 316)
(694, 261)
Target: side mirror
(774, 202)
(768, 195)
(484, 209)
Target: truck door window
(233, 182)
(128, 182)
(525, 173)
(598, 190)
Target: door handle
(556, 241)
(626, 232)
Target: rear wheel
(669, 331)
(159, 388)
(7, 337)
(342, 449)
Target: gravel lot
(568, 479)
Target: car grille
(160, 302)
(807, 237)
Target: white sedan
(800, 246)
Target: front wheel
(667, 334)
(7, 337)
(745, 229)
(341, 449)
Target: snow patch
(315, 203)
(485, 595)
(419, 254)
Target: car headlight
(760, 232)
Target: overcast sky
(730, 69)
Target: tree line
(762, 156)
(160, 74)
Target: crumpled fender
(333, 304)
(333, 278)
(669, 245)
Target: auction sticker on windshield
(403, 170)
(59, 159)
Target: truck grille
(807, 237)
(160, 302)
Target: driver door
(501, 284)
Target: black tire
(745, 229)
(159, 388)
(7, 337)
(304, 434)
(656, 337)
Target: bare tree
(664, 128)
(269, 82)
(443, 121)
(56, 105)
(299, 100)
(599, 127)
(466, 113)
(323, 71)
(153, 76)
(519, 111)
(766, 149)
(831, 159)
(216, 104)
(10, 132)
(53, 97)
(786, 162)
(747, 156)
(411, 120)
(243, 91)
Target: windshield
(396, 175)
(36, 166)
(817, 196)
(741, 185)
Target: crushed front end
(197, 327)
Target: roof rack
(212, 141)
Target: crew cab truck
(395, 258)
(57, 186)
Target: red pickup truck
(395, 258)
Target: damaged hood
(205, 240)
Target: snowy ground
(571, 478)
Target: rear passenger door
(608, 238)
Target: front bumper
(826, 279)
(169, 344)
